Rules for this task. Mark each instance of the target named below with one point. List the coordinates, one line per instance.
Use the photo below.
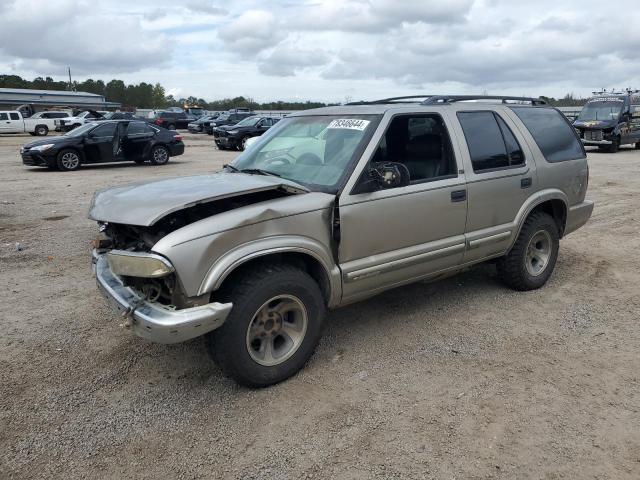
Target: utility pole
(70, 83)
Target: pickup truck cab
(38, 124)
(334, 205)
(67, 124)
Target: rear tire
(615, 145)
(68, 160)
(42, 130)
(273, 328)
(171, 126)
(159, 155)
(533, 257)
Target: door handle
(526, 182)
(458, 196)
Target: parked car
(610, 120)
(106, 141)
(38, 124)
(236, 136)
(67, 124)
(388, 193)
(198, 125)
(172, 120)
(230, 117)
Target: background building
(38, 100)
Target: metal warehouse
(13, 98)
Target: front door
(99, 143)
(396, 235)
(10, 122)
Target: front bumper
(595, 143)
(37, 159)
(152, 320)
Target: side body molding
(232, 259)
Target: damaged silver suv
(335, 205)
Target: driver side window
(421, 143)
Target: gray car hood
(143, 204)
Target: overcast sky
(328, 50)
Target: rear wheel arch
(552, 202)
(557, 209)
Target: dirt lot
(457, 379)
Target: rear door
(501, 174)
(137, 136)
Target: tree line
(146, 95)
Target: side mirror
(382, 176)
(390, 175)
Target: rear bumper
(176, 149)
(152, 320)
(578, 215)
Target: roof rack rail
(412, 98)
(435, 99)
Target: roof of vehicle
(411, 103)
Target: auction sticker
(349, 123)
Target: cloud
(285, 61)
(65, 33)
(251, 32)
(205, 6)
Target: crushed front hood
(143, 204)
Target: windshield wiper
(259, 171)
(230, 167)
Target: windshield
(315, 151)
(224, 116)
(600, 111)
(248, 122)
(79, 131)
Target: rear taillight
(158, 122)
(177, 138)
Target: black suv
(236, 136)
(230, 117)
(172, 120)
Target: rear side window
(136, 127)
(491, 142)
(105, 130)
(4, 116)
(14, 116)
(552, 132)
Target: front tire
(159, 155)
(533, 257)
(273, 328)
(638, 146)
(615, 145)
(68, 160)
(171, 126)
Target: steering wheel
(278, 161)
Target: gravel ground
(463, 378)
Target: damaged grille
(595, 135)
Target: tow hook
(127, 315)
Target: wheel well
(77, 150)
(557, 210)
(304, 262)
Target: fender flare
(534, 201)
(227, 263)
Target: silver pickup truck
(332, 206)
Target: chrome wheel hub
(277, 330)
(538, 253)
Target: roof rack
(411, 98)
(436, 99)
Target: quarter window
(552, 132)
(4, 116)
(492, 144)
